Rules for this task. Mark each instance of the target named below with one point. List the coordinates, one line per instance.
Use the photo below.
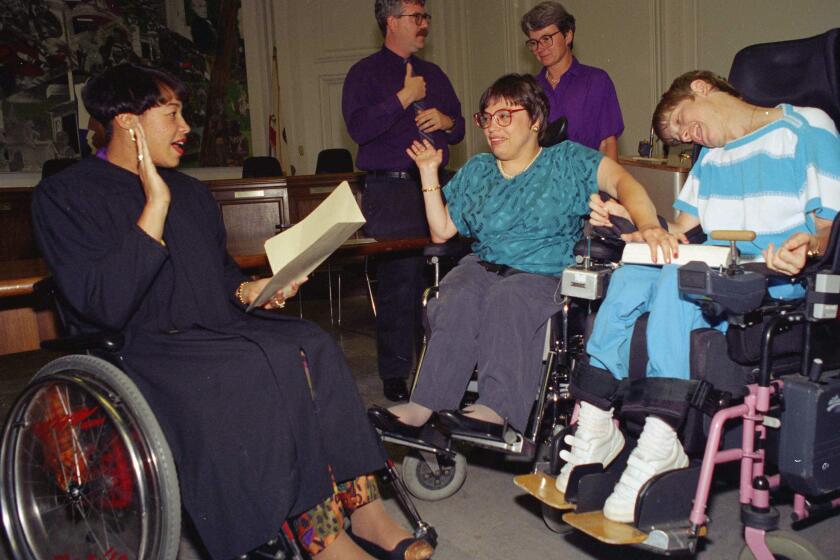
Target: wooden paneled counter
(663, 182)
(259, 208)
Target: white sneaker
(596, 440)
(658, 451)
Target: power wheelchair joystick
(588, 278)
(727, 289)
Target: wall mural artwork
(49, 48)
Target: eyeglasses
(544, 41)
(419, 18)
(503, 117)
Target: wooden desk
(18, 277)
(22, 327)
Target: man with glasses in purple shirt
(585, 95)
(391, 99)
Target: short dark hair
(548, 13)
(129, 88)
(521, 89)
(383, 9)
(679, 91)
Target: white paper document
(713, 255)
(296, 252)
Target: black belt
(412, 175)
(502, 270)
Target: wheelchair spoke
(82, 482)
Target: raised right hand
(414, 87)
(157, 191)
(425, 156)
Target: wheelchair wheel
(425, 484)
(786, 546)
(87, 470)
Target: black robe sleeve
(103, 272)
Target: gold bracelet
(239, 291)
(432, 189)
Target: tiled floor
(489, 518)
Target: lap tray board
(712, 255)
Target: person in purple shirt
(391, 99)
(585, 95)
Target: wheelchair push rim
(88, 472)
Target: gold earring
(133, 136)
(535, 128)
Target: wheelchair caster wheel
(431, 482)
(786, 545)
(548, 461)
(553, 519)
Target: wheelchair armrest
(456, 247)
(602, 249)
(696, 235)
(606, 245)
(105, 341)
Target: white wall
(643, 44)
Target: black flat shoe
(395, 389)
(406, 549)
(386, 421)
(456, 422)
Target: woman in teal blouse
(523, 206)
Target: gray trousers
(496, 322)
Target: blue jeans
(633, 291)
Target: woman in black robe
(259, 434)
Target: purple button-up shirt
(376, 120)
(586, 97)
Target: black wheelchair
(87, 471)
(435, 468)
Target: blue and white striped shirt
(771, 181)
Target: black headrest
(803, 72)
(554, 133)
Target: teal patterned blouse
(532, 221)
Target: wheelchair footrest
(542, 487)
(666, 499)
(594, 524)
(428, 439)
(673, 539)
(590, 485)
